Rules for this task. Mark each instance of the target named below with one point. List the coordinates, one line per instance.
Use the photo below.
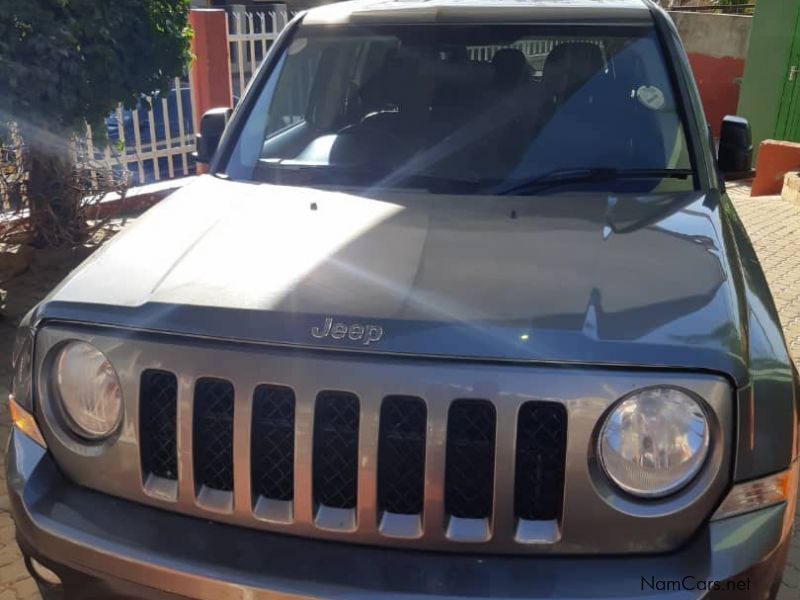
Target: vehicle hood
(575, 278)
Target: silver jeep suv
(461, 310)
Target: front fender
(769, 404)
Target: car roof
(484, 11)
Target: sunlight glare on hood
(263, 247)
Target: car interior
(496, 112)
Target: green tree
(65, 63)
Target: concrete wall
(717, 46)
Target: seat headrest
(570, 65)
(510, 67)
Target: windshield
(467, 109)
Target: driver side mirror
(212, 125)
(735, 148)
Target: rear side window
(466, 108)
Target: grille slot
(469, 471)
(401, 455)
(272, 442)
(540, 460)
(158, 415)
(335, 462)
(213, 434)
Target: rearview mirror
(212, 125)
(735, 148)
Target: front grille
(213, 434)
(466, 441)
(336, 418)
(541, 452)
(158, 418)
(469, 471)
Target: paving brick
(14, 572)
(26, 588)
(7, 531)
(9, 554)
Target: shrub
(66, 63)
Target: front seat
(569, 67)
(591, 117)
(510, 68)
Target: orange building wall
(718, 80)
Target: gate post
(211, 67)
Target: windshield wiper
(593, 175)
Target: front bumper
(105, 547)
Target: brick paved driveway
(774, 227)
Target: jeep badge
(365, 333)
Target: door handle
(793, 71)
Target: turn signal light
(760, 493)
(24, 422)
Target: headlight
(654, 442)
(88, 388)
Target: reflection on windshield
(466, 110)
